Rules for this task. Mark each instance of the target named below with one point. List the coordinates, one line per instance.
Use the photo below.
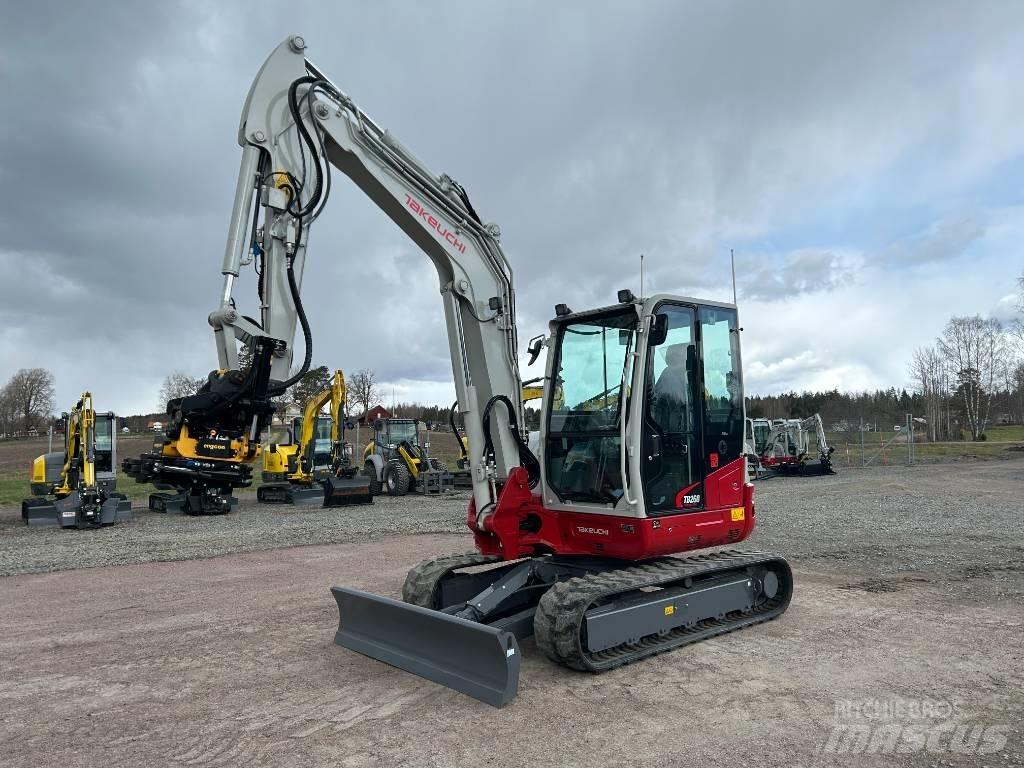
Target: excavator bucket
(346, 491)
(474, 659)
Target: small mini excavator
(316, 467)
(75, 488)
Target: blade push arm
(295, 125)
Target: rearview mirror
(534, 347)
(659, 329)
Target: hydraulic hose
(307, 336)
(455, 431)
(526, 457)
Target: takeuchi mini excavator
(315, 467)
(798, 446)
(641, 440)
(75, 488)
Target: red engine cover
(521, 526)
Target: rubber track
(560, 613)
(422, 580)
(272, 494)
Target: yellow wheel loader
(75, 488)
(315, 467)
(396, 462)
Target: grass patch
(850, 452)
(13, 490)
(1008, 432)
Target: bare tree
(178, 384)
(8, 411)
(365, 389)
(976, 351)
(1015, 385)
(930, 375)
(32, 392)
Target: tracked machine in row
(641, 435)
(77, 487)
(315, 466)
(212, 439)
(797, 447)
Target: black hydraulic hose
(455, 431)
(461, 191)
(526, 457)
(293, 106)
(307, 336)
(254, 248)
(299, 211)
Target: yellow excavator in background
(74, 488)
(315, 466)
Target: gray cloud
(778, 277)
(590, 133)
(946, 239)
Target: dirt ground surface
(905, 629)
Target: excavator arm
(296, 125)
(814, 424)
(79, 472)
(335, 395)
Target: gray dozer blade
(66, 512)
(344, 491)
(474, 659)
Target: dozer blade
(474, 659)
(306, 496)
(39, 512)
(345, 491)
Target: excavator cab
(281, 458)
(674, 387)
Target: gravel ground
(900, 519)
(156, 537)
(909, 593)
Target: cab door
(671, 465)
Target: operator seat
(671, 406)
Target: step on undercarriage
(460, 619)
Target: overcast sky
(863, 159)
